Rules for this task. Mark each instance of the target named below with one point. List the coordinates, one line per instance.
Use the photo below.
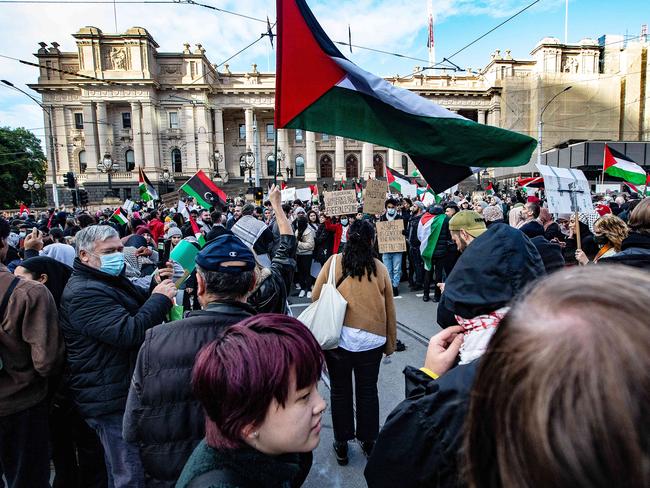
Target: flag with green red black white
(204, 191)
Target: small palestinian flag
(197, 232)
(620, 166)
(120, 216)
(342, 187)
(429, 229)
(358, 189)
(635, 189)
(489, 190)
(396, 180)
(204, 191)
(147, 192)
(283, 185)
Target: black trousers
(435, 273)
(303, 271)
(24, 448)
(417, 276)
(341, 365)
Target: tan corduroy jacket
(370, 302)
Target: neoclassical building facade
(117, 96)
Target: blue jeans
(393, 262)
(123, 463)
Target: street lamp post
(31, 186)
(106, 165)
(248, 163)
(540, 124)
(53, 165)
(167, 178)
(217, 158)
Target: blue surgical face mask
(22, 234)
(344, 221)
(391, 211)
(112, 264)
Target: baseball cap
(470, 221)
(227, 248)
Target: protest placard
(567, 190)
(341, 202)
(374, 197)
(288, 194)
(389, 236)
(303, 194)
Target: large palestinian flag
(620, 166)
(318, 89)
(204, 191)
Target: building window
(270, 164)
(129, 157)
(126, 120)
(270, 132)
(405, 163)
(325, 166)
(242, 132)
(242, 172)
(298, 135)
(79, 121)
(378, 164)
(325, 137)
(173, 120)
(82, 161)
(351, 167)
(300, 166)
(177, 163)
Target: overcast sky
(390, 25)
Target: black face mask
(601, 240)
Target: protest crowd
(154, 346)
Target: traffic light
(83, 197)
(75, 200)
(259, 195)
(69, 179)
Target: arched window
(325, 166)
(405, 163)
(300, 166)
(129, 158)
(378, 163)
(351, 166)
(82, 162)
(177, 162)
(270, 164)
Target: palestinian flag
(23, 208)
(535, 182)
(147, 192)
(120, 216)
(204, 191)
(318, 89)
(197, 232)
(396, 181)
(635, 189)
(489, 190)
(620, 166)
(342, 187)
(428, 232)
(358, 189)
(422, 192)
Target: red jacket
(157, 229)
(338, 232)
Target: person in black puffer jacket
(104, 318)
(162, 416)
(635, 249)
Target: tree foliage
(20, 153)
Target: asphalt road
(416, 323)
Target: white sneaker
(302, 294)
(308, 294)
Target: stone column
(367, 167)
(150, 141)
(496, 116)
(311, 173)
(63, 160)
(481, 117)
(250, 138)
(190, 164)
(203, 128)
(136, 130)
(90, 136)
(104, 134)
(339, 158)
(220, 143)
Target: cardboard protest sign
(374, 197)
(303, 194)
(288, 194)
(567, 190)
(341, 202)
(389, 236)
(170, 199)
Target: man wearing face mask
(104, 318)
(393, 260)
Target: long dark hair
(359, 252)
(301, 225)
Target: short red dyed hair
(237, 376)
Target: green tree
(20, 153)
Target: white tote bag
(324, 318)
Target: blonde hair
(613, 228)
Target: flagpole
(275, 154)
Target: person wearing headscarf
(52, 273)
(516, 217)
(609, 233)
(493, 215)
